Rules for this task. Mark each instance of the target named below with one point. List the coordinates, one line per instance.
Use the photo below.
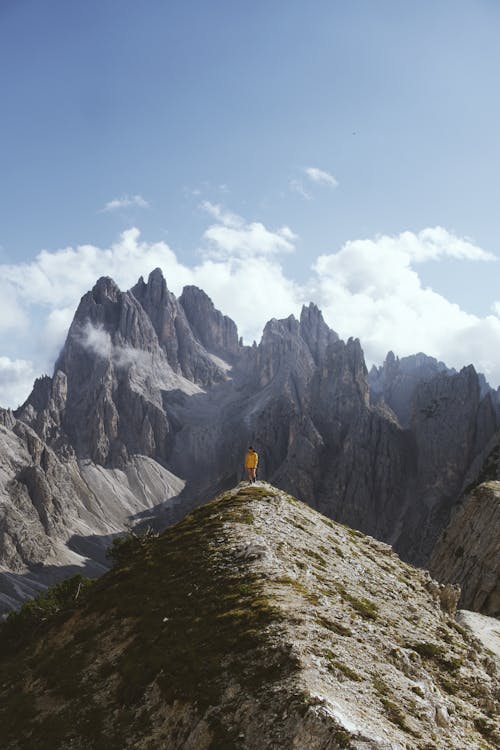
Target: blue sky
(197, 123)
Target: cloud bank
(369, 288)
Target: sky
(273, 153)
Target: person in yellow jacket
(251, 463)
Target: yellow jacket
(251, 460)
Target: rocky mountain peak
(257, 624)
(215, 331)
(105, 289)
(315, 331)
(395, 382)
(155, 289)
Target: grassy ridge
(182, 612)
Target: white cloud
(58, 279)
(320, 177)
(248, 241)
(12, 315)
(232, 237)
(98, 341)
(434, 243)
(227, 218)
(369, 289)
(297, 186)
(126, 201)
(16, 381)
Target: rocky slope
(254, 623)
(468, 552)
(147, 379)
(58, 516)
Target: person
(251, 463)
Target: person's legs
(249, 475)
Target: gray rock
(468, 552)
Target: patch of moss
(395, 714)
(364, 607)
(299, 526)
(450, 686)
(253, 492)
(445, 634)
(464, 632)
(344, 668)
(379, 684)
(354, 533)
(316, 557)
(427, 649)
(342, 738)
(334, 626)
(487, 728)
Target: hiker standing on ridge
(251, 462)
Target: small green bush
(124, 548)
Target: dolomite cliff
(153, 401)
(468, 552)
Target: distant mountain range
(154, 400)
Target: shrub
(124, 548)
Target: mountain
(154, 399)
(254, 623)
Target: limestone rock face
(468, 552)
(450, 424)
(58, 515)
(396, 380)
(216, 332)
(185, 353)
(255, 623)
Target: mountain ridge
(253, 623)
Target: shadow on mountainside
(16, 588)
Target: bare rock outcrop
(468, 552)
(59, 514)
(215, 331)
(395, 381)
